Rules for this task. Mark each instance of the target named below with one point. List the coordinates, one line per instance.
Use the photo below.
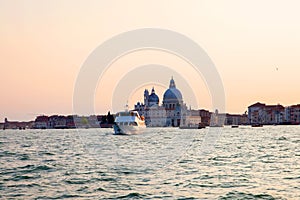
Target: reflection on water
(247, 163)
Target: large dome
(172, 94)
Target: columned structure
(170, 113)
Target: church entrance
(178, 122)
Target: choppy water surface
(163, 163)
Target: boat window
(133, 114)
(133, 124)
(124, 114)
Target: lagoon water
(162, 163)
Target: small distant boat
(234, 126)
(257, 125)
(129, 123)
(193, 126)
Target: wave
(241, 195)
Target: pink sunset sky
(255, 45)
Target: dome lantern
(172, 83)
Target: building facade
(236, 119)
(172, 112)
(259, 113)
(294, 114)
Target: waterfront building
(93, 121)
(59, 121)
(259, 113)
(70, 121)
(15, 125)
(205, 117)
(255, 113)
(73, 121)
(191, 121)
(172, 112)
(294, 114)
(52, 121)
(106, 121)
(287, 114)
(41, 122)
(236, 119)
(217, 119)
(274, 114)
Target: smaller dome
(153, 98)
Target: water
(163, 163)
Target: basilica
(172, 111)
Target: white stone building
(172, 111)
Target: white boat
(128, 123)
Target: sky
(254, 45)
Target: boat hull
(128, 130)
(191, 127)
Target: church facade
(172, 111)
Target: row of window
(127, 123)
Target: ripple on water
(25, 172)
(62, 167)
(24, 157)
(28, 185)
(7, 154)
(282, 138)
(64, 196)
(34, 168)
(292, 178)
(77, 181)
(23, 177)
(204, 177)
(26, 145)
(241, 195)
(100, 189)
(46, 153)
(133, 195)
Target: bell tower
(146, 97)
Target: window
(133, 124)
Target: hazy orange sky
(255, 46)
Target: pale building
(170, 113)
(259, 113)
(255, 113)
(295, 114)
